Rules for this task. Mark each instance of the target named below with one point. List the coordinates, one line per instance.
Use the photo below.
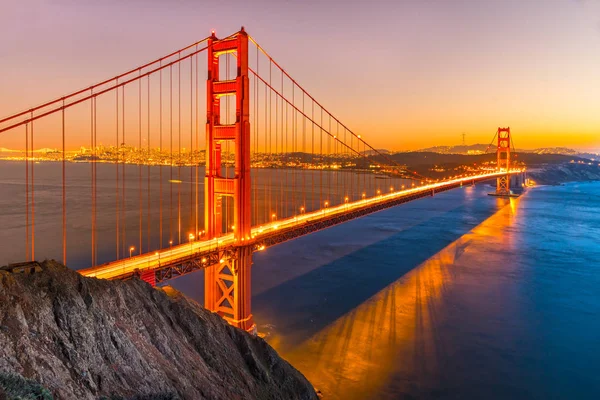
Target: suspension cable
(64, 196)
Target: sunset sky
(405, 74)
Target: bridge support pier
(228, 288)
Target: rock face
(84, 338)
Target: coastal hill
(489, 148)
(70, 337)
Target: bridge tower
(503, 162)
(227, 284)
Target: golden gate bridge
(258, 118)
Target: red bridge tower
(503, 163)
(227, 284)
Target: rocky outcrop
(568, 172)
(84, 338)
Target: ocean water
(458, 296)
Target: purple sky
(403, 73)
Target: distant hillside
(466, 149)
(483, 148)
(415, 159)
(374, 152)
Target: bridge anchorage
(277, 165)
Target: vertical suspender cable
(27, 191)
(266, 201)
(92, 173)
(270, 123)
(197, 151)
(191, 150)
(289, 119)
(322, 162)
(123, 214)
(179, 152)
(303, 154)
(118, 229)
(32, 196)
(171, 154)
(330, 159)
(160, 150)
(149, 155)
(337, 159)
(64, 193)
(95, 163)
(312, 153)
(139, 151)
(277, 170)
(255, 145)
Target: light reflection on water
(392, 334)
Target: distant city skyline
(406, 75)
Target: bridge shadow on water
(294, 310)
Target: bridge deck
(185, 258)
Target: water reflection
(391, 344)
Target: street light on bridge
(131, 249)
(191, 237)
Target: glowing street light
(191, 238)
(131, 249)
(301, 210)
(326, 204)
(273, 217)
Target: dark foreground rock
(83, 338)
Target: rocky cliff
(83, 338)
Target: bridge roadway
(189, 257)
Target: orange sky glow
(405, 75)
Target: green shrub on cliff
(15, 387)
